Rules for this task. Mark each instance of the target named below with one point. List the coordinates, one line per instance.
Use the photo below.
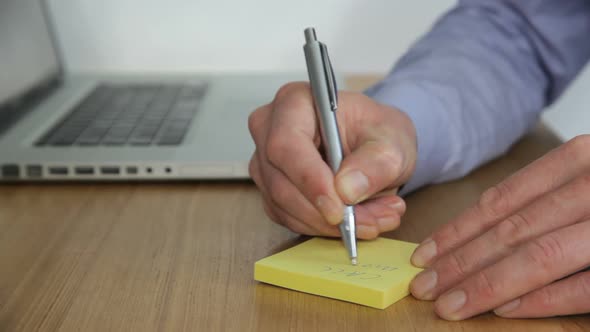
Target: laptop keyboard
(139, 115)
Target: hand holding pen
(300, 190)
(325, 95)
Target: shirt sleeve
(479, 79)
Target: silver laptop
(74, 126)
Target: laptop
(58, 125)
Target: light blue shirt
(480, 78)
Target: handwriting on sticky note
(320, 266)
(362, 272)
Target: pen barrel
(328, 122)
(325, 99)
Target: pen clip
(330, 78)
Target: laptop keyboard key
(117, 135)
(93, 135)
(143, 135)
(63, 140)
(171, 140)
(193, 91)
(122, 114)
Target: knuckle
(270, 213)
(583, 284)
(459, 264)
(545, 297)
(585, 180)
(449, 236)
(390, 159)
(309, 184)
(544, 251)
(290, 88)
(580, 143)
(276, 148)
(513, 229)
(255, 120)
(252, 165)
(254, 171)
(493, 202)
(576, 149)
(485, 287)
(297, 227)
(278, 191)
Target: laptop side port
(131, 170)
(84, 170)
(110, 170)
(58, 170)
(10, 171)
(34, 171)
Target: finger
(549, 172)
(258, 124)
(274, 212)
(381, 146)
(292, 223)
(270, 212)
(254, 171)
(532, 266)
(366, 230)
(373, 217)
(559, 208)
(283, 193)
(568, 296)
(382, 212)
(292, 150)
(269, 180)
(370, 168)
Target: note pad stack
(320, 266)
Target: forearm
(479, 79)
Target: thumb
(371, 168)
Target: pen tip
(353, 261)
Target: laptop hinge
(15, 109)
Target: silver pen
(325, 95)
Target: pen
(325, 95)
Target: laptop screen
(27, 56)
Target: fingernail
(426, 240)
(424, 253)
(387, 223)
(399, 207)
(331, 210)
(354, 185)
(448, 304)
(508, 307)
(366, 232)
(423, 285)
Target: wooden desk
(168, 257)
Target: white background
(211, 35)
(260, 35)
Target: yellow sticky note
(320, 266)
